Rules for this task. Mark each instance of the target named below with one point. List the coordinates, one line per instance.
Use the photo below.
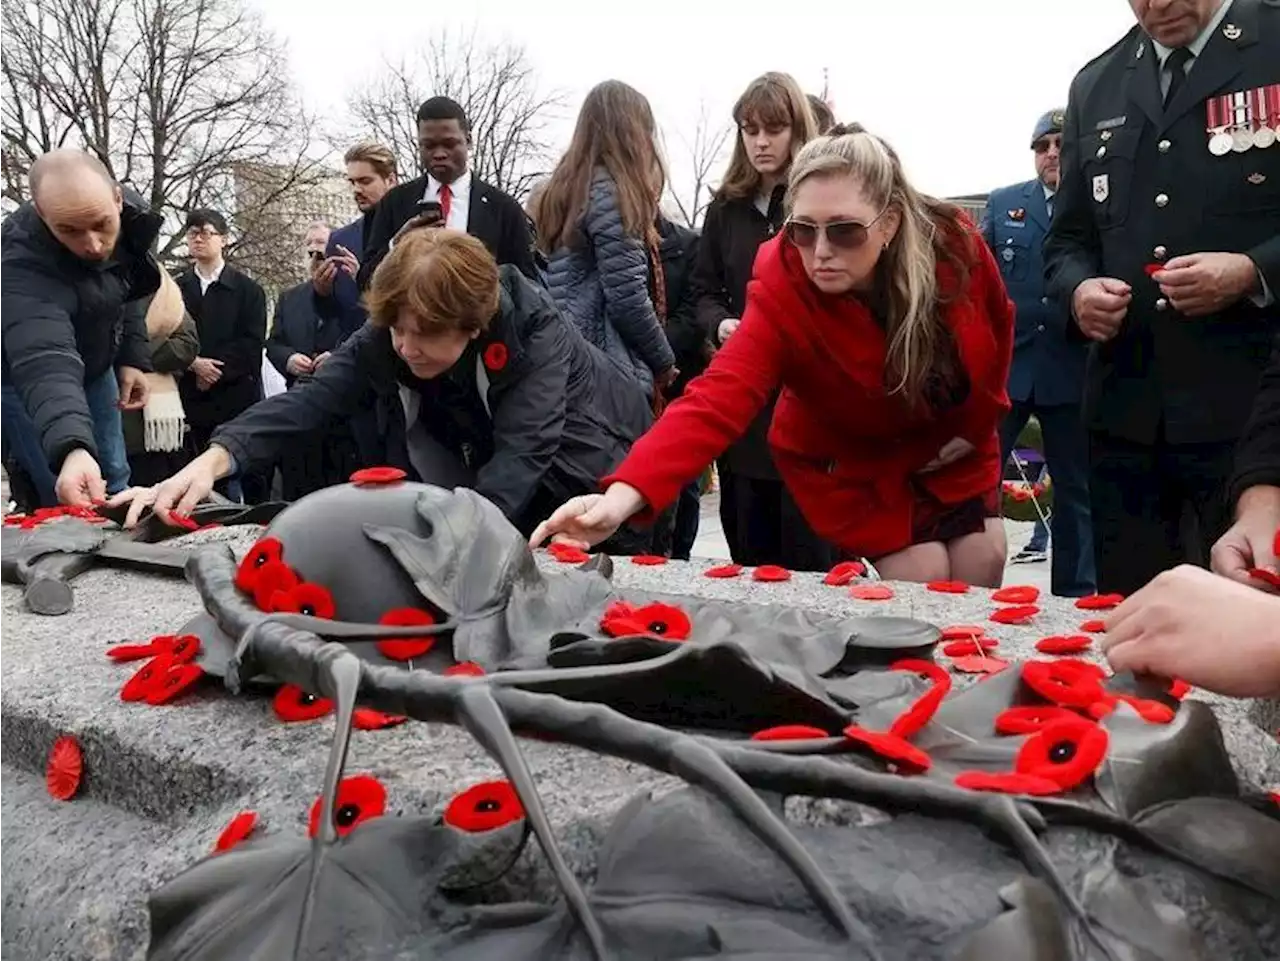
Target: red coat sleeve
(989, 396)
(715, 410)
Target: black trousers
(1154, 506)
(763, 525)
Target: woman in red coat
(882, 316)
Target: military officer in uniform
(1047, 375)
(1166, 245)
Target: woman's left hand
(952, 451)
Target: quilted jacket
(601, 284)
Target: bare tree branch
(704, 153)
(496, 85)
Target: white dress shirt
(459, 202)
(205, 282)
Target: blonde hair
(773, 99)
(376, 155)
(446, 278)
(930, 231)
(615, 130)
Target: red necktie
(446, 201)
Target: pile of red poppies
(43, 515)
(362, 797)
(1063, 747)
(170, 669)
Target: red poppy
(1029, 719)
(1066, 752)
(663, 620)
(1264, 575)
(64, 768)
(649, 560)
(871, 592)
(933, 672)
(174, 682)
(1179, 688)
(1153, 712)
(1018, 594)
(139, 686)
(495, 356)
(183, 521)
(1017, 614)
(1094, 627)
(184, 648)
(911, 721)
(237, 829)
(948, 587)
(291, 703)
(367, 719)
(770, 573)
(1099, 602)
(979, 664)
(567, 553)
(1059, 645)
(375, 476)
(1006, 782)
(271, 578)
(484, 807)
(14, 520)
(266, 551)
(723, 571)
(958, 632)
(406, 648)
(359, 799)
(1060, 683)
(909, 758)
(121, 653)
(844, 572)
(464, 669)
(1152, 269)
(789, 732)
(972, 646)
(314, 600)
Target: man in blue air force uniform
(1047, 375)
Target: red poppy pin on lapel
(495, 356)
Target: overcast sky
(955, 86)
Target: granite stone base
(161, 782)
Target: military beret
(1050, 122)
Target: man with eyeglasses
(77, 277)
(1046, 378)
(1166, 246)
(230, 311)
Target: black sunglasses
(843, 234)
(1044, 143)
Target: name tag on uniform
(1110, 123)
(1101, 187)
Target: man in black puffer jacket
(77, 275)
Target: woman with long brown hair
(882, 316)
(760, 520)
(595, 218)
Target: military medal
(1265, 104)
(1219, 139)
(1242, 130)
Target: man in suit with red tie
(449, 195)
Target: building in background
(274, 204)
(972, 204)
